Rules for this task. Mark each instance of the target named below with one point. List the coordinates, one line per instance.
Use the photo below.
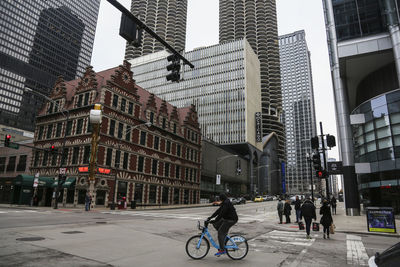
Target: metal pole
(93, 153)
(324, 157)
(115, 181)
(311, 176)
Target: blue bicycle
(198, 246)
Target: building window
(109, 156)
(128, 133)
(174, 128)
(79, 102)
(130, 108)
(187, 173)
(40, 134)
(49, 131)
(156, 142)
(45, 158)
(86, 154)
(154, 167)
(11, 164)
(3, 164)
(166, 169)
(151, 117)
(50, 110)
(177, 171)
(64, 158)
(152, 194)
(54, 159)
(86, 101)
(168, 147)
(117, 158)
(140, 164)
(79, 126)
(163, 123)
(75, 155)
(58, 129)
(69, 128)
(36, 161)
(120, 130)
(115, 101)
(123, 104)
(89, 127)
(178, 150)
(143, 138)
(112, 128)
(126, 157)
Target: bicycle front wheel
(239, 251)
(196, 251)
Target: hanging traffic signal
(174, 67)
(7, 140)
(316, 162)
(314, 142)
(330, 140)
(322, 174)
(53, 149)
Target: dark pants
(298, 214)
(280, 214)
(334, 210)
(223, 226)
(308, 224)
(326, 230)
(287, 218)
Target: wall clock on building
(125, 77)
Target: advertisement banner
(381, 219)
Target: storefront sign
(258, 127)
(381, 219)
(335, 167)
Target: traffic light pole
(325, 163)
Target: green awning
(69, 182)
(27, 180)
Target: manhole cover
(37, 238)
(101, 222)
(73, 232)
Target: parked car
(241, 200)
(258, 199)
(233, 200)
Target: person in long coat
(286, 210)
(326, 219)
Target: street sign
(36, 182)
(62, 170)
(218, 182)
(335, 167)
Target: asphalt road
(158, 237)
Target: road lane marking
(287, 238)
(356, 253)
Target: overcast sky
(202, 30)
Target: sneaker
(308, 237)
(327, 236)
(220, 252)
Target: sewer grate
(73, 232)
(37, 238)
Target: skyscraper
(256, 21)
(299, 110)
(167, 18)
(39, 41)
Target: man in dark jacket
(226, 218)
(297, 205)
(308, 212)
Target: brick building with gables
(156, 165)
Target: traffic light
(330, 140)
(322, 174)
(130, 31)
(174, 67)
(314, 142)
(316, 162)
(53, 149)
(7, 140)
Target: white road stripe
(288, 237)
(356, 253)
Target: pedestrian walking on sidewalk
(326, 219)
(279, 207)
(333, 204)
(297, 206)
(88, 199)
(286, 210)
(307, 211)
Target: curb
(396, 235)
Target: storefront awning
(27, 180)
(69, 182)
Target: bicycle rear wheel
(195, 252)
(242, 247)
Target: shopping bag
(332, 229)
(301, 226)
(315, 226)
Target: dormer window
(86, 100)
(79, 102)
(164, 123)
(174, 128)
(151, 117)
(50, 110)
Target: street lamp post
(64, 139)
(220, 159)
(148, 124)
(309, 159)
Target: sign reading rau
(258, 127)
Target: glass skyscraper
(167, 18)
(40, 40)
(299, 110)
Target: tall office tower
(39, 41)
(167, 18)
(365, 67)
(255, 20)
(299, 110)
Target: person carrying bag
(326, 219)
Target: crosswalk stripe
(356, 253)
(288, 237)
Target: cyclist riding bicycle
(226, 218)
